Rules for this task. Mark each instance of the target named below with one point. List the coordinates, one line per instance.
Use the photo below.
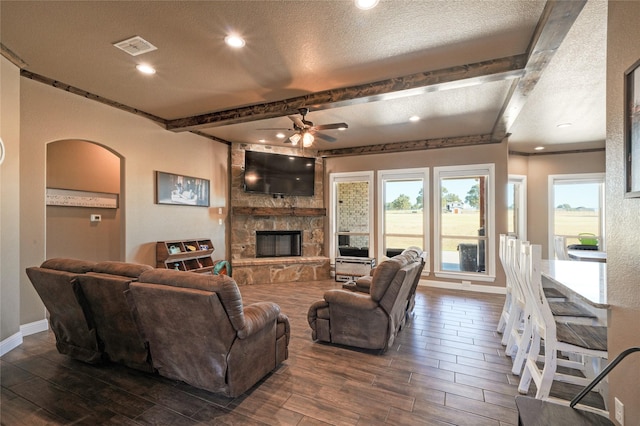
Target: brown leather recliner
(363, 284)
(200, 333)
(368, 320)
(105, 289)
(56, 282)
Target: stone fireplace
(256, 215)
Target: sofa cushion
(114, 320)
(76, 266)
(223, 285)
(124, 269)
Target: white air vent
(135, 46)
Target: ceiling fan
(306, 131)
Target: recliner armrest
(257, 316)
(363, 284)
(356, 300)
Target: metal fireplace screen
(278, 243)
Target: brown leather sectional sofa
(182, 325)
(370, 315)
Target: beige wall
(483, 154)
(537, 168)
(623, 215)
(518, 164)
(85, 166)
(10, 201)
(49, 114)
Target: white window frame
(490, 258)
(345, 177)
(416, 173)
(598, 178)
(521, 217)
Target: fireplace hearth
(278, 243)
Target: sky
(577, 195)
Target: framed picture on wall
(632, 130)
(181, 190)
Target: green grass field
(468, 223)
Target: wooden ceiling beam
(88, 95)
(429, 81)
(9, 55)
(419, 145)
(555, 22)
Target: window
(576, 208)
(464, 222)
(517, 206)
(352, 207)
(403, 210)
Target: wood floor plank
(349, 398)
(472, 362)
(448, 387)
(481, 407)
(159, 415)
(321, 410)
(18, 411)
(427, 412)
(472, 371)
(261, 407)
(502, 388)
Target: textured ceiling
(296, 48)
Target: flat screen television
(277, 174)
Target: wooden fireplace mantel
(279, 211)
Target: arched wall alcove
(80, 176)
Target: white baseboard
(34, 327)
(15, 340)
(464, 287)
(10, 343)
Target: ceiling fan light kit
(295, 138)
(307, 139)
(306, 131)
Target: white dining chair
(506, 308)
(560, 247)
(580, 343)
(518, 302)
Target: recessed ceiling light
(561, 125)
(280, 135)
(234, 40)
(539, 148)
(146, 69)
(261, 141)
(342, 129)
(414, 118)
(366, 4)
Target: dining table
(587, 255)
(582, 282)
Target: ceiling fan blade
(276, 128)
(332, 126)
(297, 121)
(325, 137)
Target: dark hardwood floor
(447, 367)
